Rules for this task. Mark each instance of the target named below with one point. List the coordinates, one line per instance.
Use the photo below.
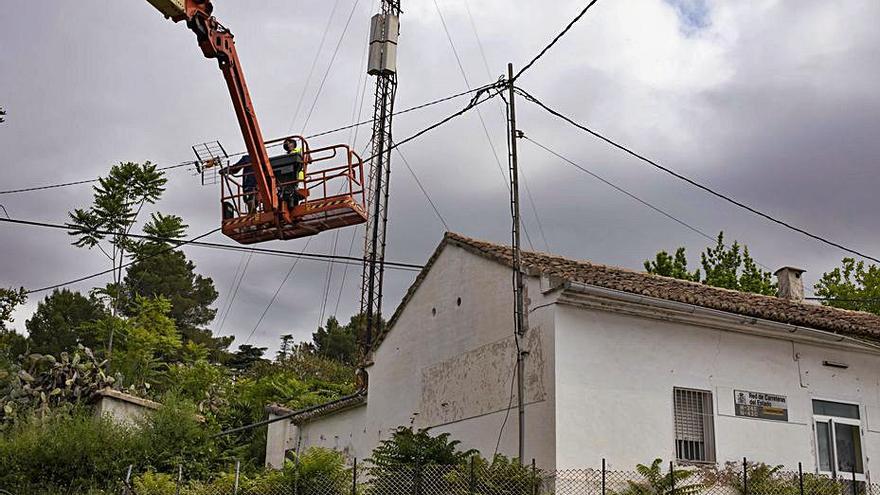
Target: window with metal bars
(694, 425)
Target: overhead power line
(621, 190)
(195, 242)
(319, 134)
(347, 260)
(553, 42)
(120, 267)
(694, 183)
(84, 181)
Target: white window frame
(832, 420)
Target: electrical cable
(232, 298)
(302, 94)
(348, 260)
(345, 271)
(125, 265)
(228, 247)
(223, 307)
(275, 295)
(509, 406)
(694, 183)
(553, 42)
(621, 190)
(328, 280)
(241, 153)
(472, 104)
(424, 191)
(330, 66)
(84, 181)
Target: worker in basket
(290, 173)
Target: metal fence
(480, 478)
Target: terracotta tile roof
(303, 415)
(841, 321)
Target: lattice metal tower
(384, 32)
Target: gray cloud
(770, 101)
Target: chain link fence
(480, 478)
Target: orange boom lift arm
(217, 42)
(328, 198)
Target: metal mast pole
(382, 64)
(518, 284)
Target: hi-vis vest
(301, 175)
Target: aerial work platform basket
(329, 195)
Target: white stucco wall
(448, 366)
(121, 411)
(615, 375)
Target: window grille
(694, 426)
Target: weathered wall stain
(478, 382)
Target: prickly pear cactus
(38, 383)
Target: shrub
(151, 483)
(74, 450)
(658, 483)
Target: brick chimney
(791, 285)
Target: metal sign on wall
(760, 405)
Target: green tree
(246, 357)
(336, 341)
(11, 343)
(728, 267)
(160, 271)
(117, 202)
(9, 300)
(854, 285)
(669, 266)
(150, 343)
(61, 322)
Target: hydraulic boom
(217, 42)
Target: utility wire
(238, 283)
(197, 243)
(330, 66)
(81, 279)
(694, 183)
(424, 191)
(621, 190)
(557, 38)
(302, 94)
(240, 153)
(348, 260)
(84, 181)
(479, 113)
(345, 271)
(275, 295)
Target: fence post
(801, 478)
(672, 476)
(603, 476)
(354, 477)
(237, 473)
(179, 478)
(745, 477)
(472, 482)
(534, 478)
(417, 478)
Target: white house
(621, 365)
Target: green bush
(658, 483)
(74, 450)
(151, 483)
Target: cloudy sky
(771, 101)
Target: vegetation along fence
(504, 477)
